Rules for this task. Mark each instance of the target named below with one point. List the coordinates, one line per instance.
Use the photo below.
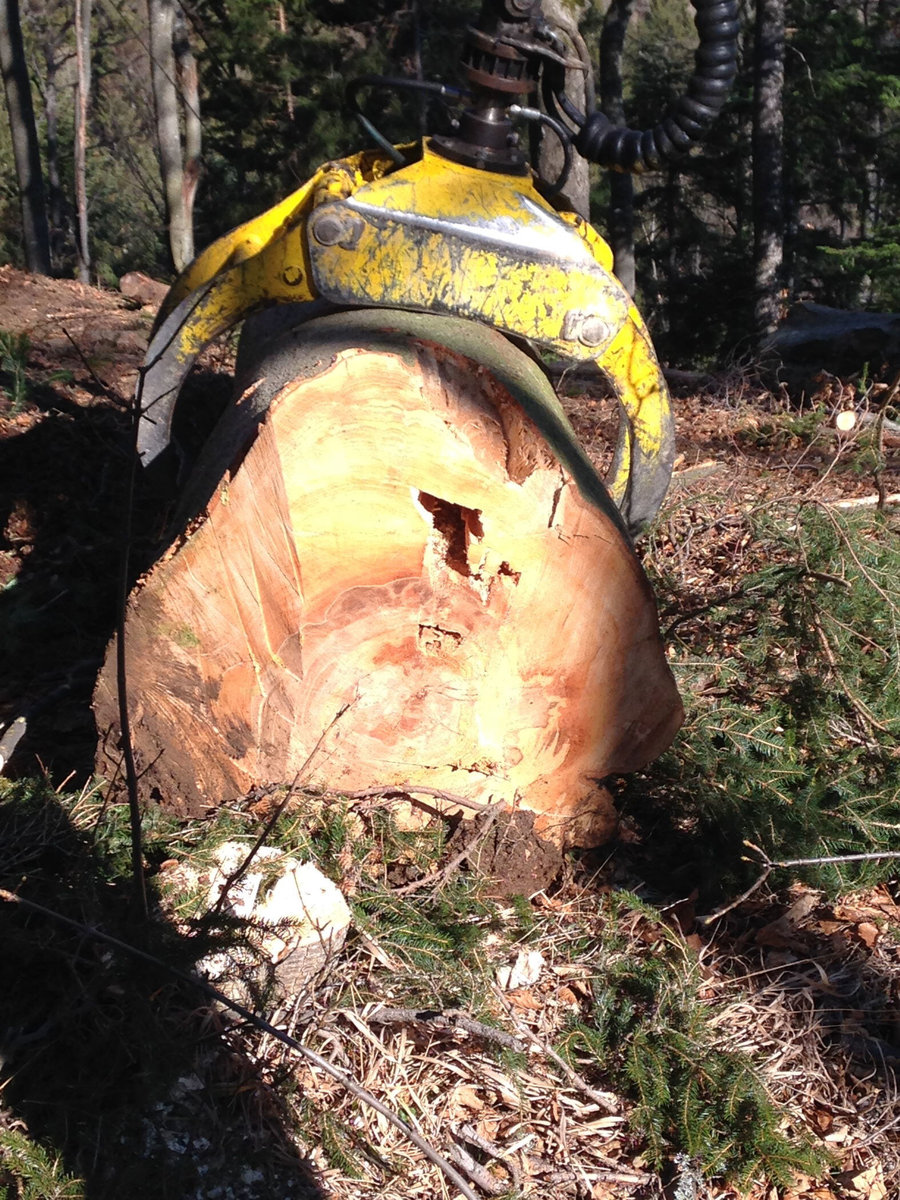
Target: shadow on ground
(64, 483)
(126, 1074)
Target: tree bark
(35, 231)
(577, 190)
(55, 195)
(402, 583)
(168, 132)
(189, 92)
(768, 142)
(82, 94)
(620, 218)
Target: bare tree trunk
(165, 97)
(412, 589)
(565, 15)
(620, 218)
(421, 102)
(82, 93)
(193, 133)
(288, 90)
(55, 195)
(768, 154)
(35, 232)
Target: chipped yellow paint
(599, 249)
(637, 377)
(279, 273)
(395, 263)
(334, 181)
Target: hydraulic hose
(715, 66)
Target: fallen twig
(471, 1135)
(476, 1172)
(875, 501)
(442, 1018)
(135, 816)
(603, 1100)
(413, 789)
(85, 362)
(697, 471)
(441, 876)
(768, 866)
(260, 1023)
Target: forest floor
(804, 982)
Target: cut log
(814, 338)
(403, 570)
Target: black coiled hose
(715, 66)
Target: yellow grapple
(436, 236)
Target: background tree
(271, 79)
(620, 211)
(570, 17)
(82, 96)
(177, 100)
(26, 151)
(51, 29)
(768, 192)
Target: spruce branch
(605, 1101)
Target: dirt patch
(511, 854)
(68, 368)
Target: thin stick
(442, 1018)
(768, 866)
(240, 871)
(260, 1023)
(440, 877)
(471, 1135)
(131, 776)
(874, 856)
(726, 908)
(413, 789)
(87, 366)
(476, 1172)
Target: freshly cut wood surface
(398, 584)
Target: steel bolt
(337, 227)
(593, 332)
(328, 229)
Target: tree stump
(398, 568)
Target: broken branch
(768, 866)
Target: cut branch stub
(400, 582)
